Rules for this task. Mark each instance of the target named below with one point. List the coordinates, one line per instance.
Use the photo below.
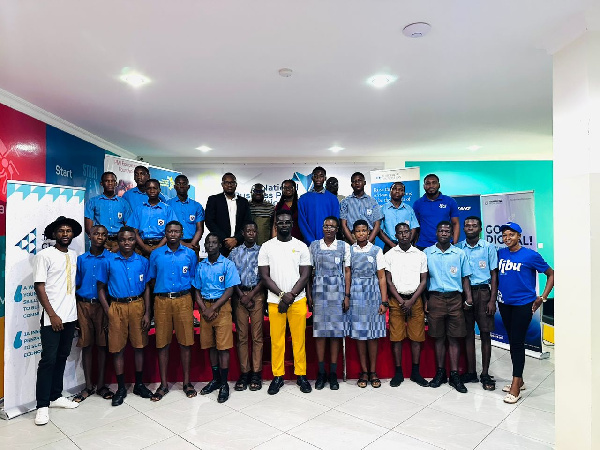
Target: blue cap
(511, 226)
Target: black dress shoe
(212, 385)
(397, 380)
(275, 385)
(119, 396)
(223, 393)
(417, 378)
(304, 384)
(320, 383)
(439, 379)
(333, 382)
(141, 390)
(457, 383)
(469, 377)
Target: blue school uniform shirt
(353, 208)
(112, 212)
(431, 212)
(213, 279)
(151, 220)
(392, 216)
(125, 277)
(136, 198)
(172, 270)
(88, 268)
(517, 275)
(246, 263)
(446, 269)
(189, 213)
(483, 258)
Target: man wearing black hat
(54, 271)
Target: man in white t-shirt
(54, 271)
(284, 265)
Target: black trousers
(516, 319)
(56, 347)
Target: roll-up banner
(468, 205)
(518, 207)
(30, 208)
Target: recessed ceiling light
(336, 149)
(474, 148)
(382, 80)
(416, 30)
(204, 148)
(285, 72)
(134, 79)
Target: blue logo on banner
(28, 242)
(19, 294)
(304, 180)
(18, 343)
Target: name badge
(161, 222)
(185, 269)
(141, 277)
(192, 217)
(221, 278)
(482, 264)
(453, 270)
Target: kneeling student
(92, 319)
(125, 276)
(214, 281)
(173, 267)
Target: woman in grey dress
(328, 296)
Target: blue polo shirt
(431, 212)
(446, 269)
(483, 258)
(151, 220)
(246, 263)
(88, 268)
(189, 213)
(353, 208)
(136, 198)
(213, 279)
(392, 216)
(113, 212)
(125, 277)
(172, 270)
(517, 275)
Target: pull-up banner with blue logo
(468, 205)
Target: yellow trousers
(296, 316)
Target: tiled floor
(407, 417)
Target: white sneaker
(42, 417)
(63, 402)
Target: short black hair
(360, 222)
(252, 222)
(282, 212)
(181, 176)
(152, 180)
(432, 175)
(397, 182)
(337, 221)
(98, 226)
(257, 184)
(174, 222)
(319, 168)
(144, 168)
(478, 219)
(359, 174)
(107, 173)
(401, 224)
(443, 222)
(209, 235)
(228, 174)
(125, 229)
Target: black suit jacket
(216, 218)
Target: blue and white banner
(468, 205)
(519, 207)
(30, 208)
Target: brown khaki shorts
(218, 332)
(401, 326)
(481, 298)
(92, 324)
(446, 316)
(125, 322)
(174, 314)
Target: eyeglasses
(329, 227)
(229, 182)
(284, 222)
(258, 191)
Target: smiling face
(258, 193)
(431, 185)
(229, 185)
(173, 234)
(288, 189)
(511, 238)
(126, 241)
(63, 235)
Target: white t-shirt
(406, 268)
(333, 247)
(379, 259)
(57, 270)
(284, 260)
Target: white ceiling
(482, 76)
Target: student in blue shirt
(150, 219)
(189, 213)
(137, 196)
(107, 209)
(172, 268)
(483, 259)
(449, 272)
(394, 212)
(431, 209)
(517, 298)
(91, 317)
(124, 283)
(215, 279)
(360, 206)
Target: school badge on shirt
(369, 211)
(161, 222)
(192, 217)
(185, 269)
(141, 277)
(453, 270)
(221, 278)
(120, 215)
(482, 264)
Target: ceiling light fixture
(204, 148)
(474, 148)
(382, 80)
(336, 149)
(285, 72)
(416, 30)
(134, 79)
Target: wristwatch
(544, 300)
(468, 305)
(281, 294)
(386, 304)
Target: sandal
(255, 382)
(508, 386)
(242, 382)
(189, 390)
(105, 393)
(375, 382)
(511, 399)
(362, 382)
(160, 393)
(488, 382)
(84, 394)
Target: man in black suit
(226, 214)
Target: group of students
(143, 264)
